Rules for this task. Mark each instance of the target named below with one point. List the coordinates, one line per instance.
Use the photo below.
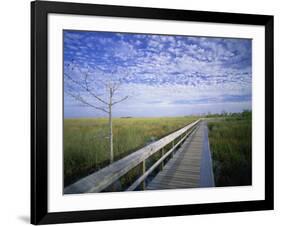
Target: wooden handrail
(103, 178)
(157, 163)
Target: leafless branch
(83, 101)
(118, 101)
(116, 86)
(86, 88)
(95, 96)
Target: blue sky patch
(163, 75)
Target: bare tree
(96, 89)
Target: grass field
(231, 145)
(86, 144)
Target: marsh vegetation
(230, 140)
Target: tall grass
(231, 146)
(86, 144)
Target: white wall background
(15, 113)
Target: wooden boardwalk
(190, 167)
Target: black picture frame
(39, 112)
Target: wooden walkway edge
(206, 172)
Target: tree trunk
(110, 128)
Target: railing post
(182, 136)
(173, 145)
(162, 163)
(143, 172)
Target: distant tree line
(245, 114)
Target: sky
(157, 75)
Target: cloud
(163, 70)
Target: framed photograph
(144, 112)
